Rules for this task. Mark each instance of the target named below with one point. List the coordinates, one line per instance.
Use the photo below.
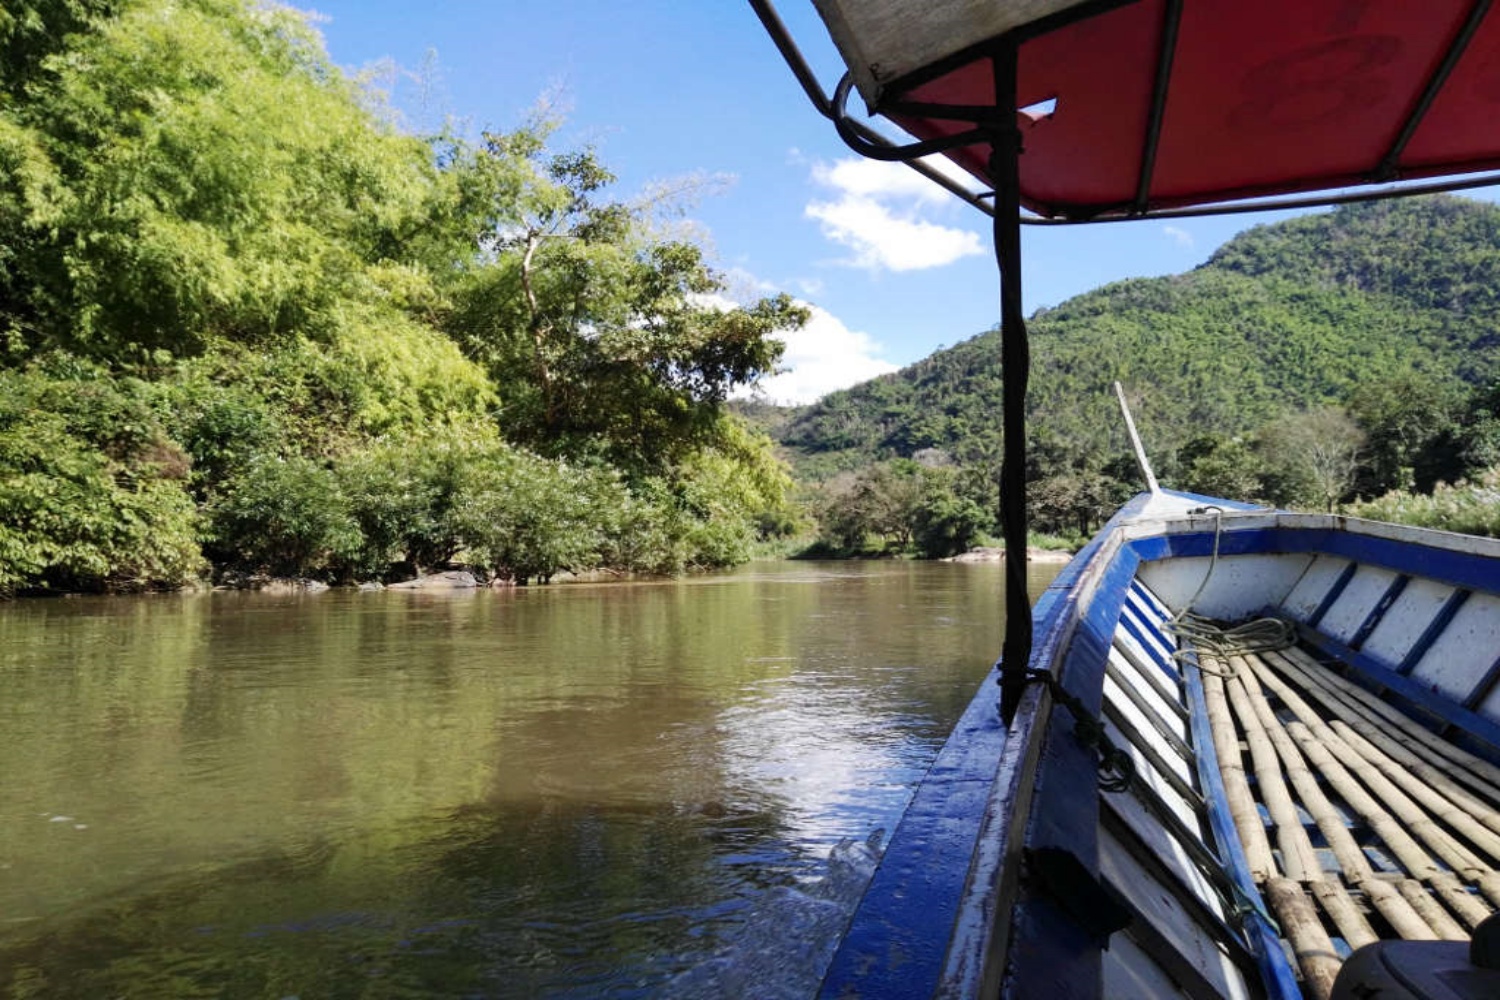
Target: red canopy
(1169, 103)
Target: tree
(947, 522)
(1220, 467)
(91, 493)
(195, 171)
(604, 337)
(285, 517)
(1074, 503)
(1407, 418)
(1312, 457)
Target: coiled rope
(1194, 632)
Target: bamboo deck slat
(1411, 824)
(1303, 928)
(1478, 772)
(1246, 816)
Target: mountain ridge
(1284, 317)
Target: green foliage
(253, 294)
(1410, 421)
(1219, 466)
(1384, 313)
(947, 523)
(33, 30)
(197, 170)
(1472, 508)
(1440, 256)
(237, 308)
(90, 490)
(881, 501)
(1475, 441)
(524, 517)
(401, 494)
(1311, 459)
(938, 511)
(286, 517)
(1074, 504)
(605, 336)
(223, 425)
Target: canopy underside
(1165, 104)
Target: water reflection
(568, 791)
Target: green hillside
(1283, 318)
(1313, 363)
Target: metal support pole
(1015, 361)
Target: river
(571, 791)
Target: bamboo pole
(1433, 806)
(1469, 908)
(1489, 886)
(1351, 857)
(1330, 821)
(1471, 793)
(1352, 925)
(1303, 928)
(1348, 745)
(1485, 774)
(1374, 742)
(1242, 808)
(1397, 912)
(1413, 857)
(1443, 925)
(1297, 855)
(1433, 793)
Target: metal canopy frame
(1382, 179)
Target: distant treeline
(1312, 363)
(249, 327)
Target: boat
(1234, 752)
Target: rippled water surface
(570, 791)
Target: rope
(1116, 768)
(1256, 635)
(1242, 904)
(1213, 560)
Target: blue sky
(692, 92)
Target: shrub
(946, 525)
(1471, 508)
(287, 517)
(90, 499)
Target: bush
(286, 517)
(89, 499)
(399, 493)
(946, 525)
(522, 517)
(224, 427)
(1470, 508)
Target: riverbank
(985, 554)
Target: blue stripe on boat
(1433, 631)
(1372, 620)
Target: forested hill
(1347, 308)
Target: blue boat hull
(1022, 869)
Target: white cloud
(1181, 237)
(877, 212)
(879, 179)
(822, 356)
